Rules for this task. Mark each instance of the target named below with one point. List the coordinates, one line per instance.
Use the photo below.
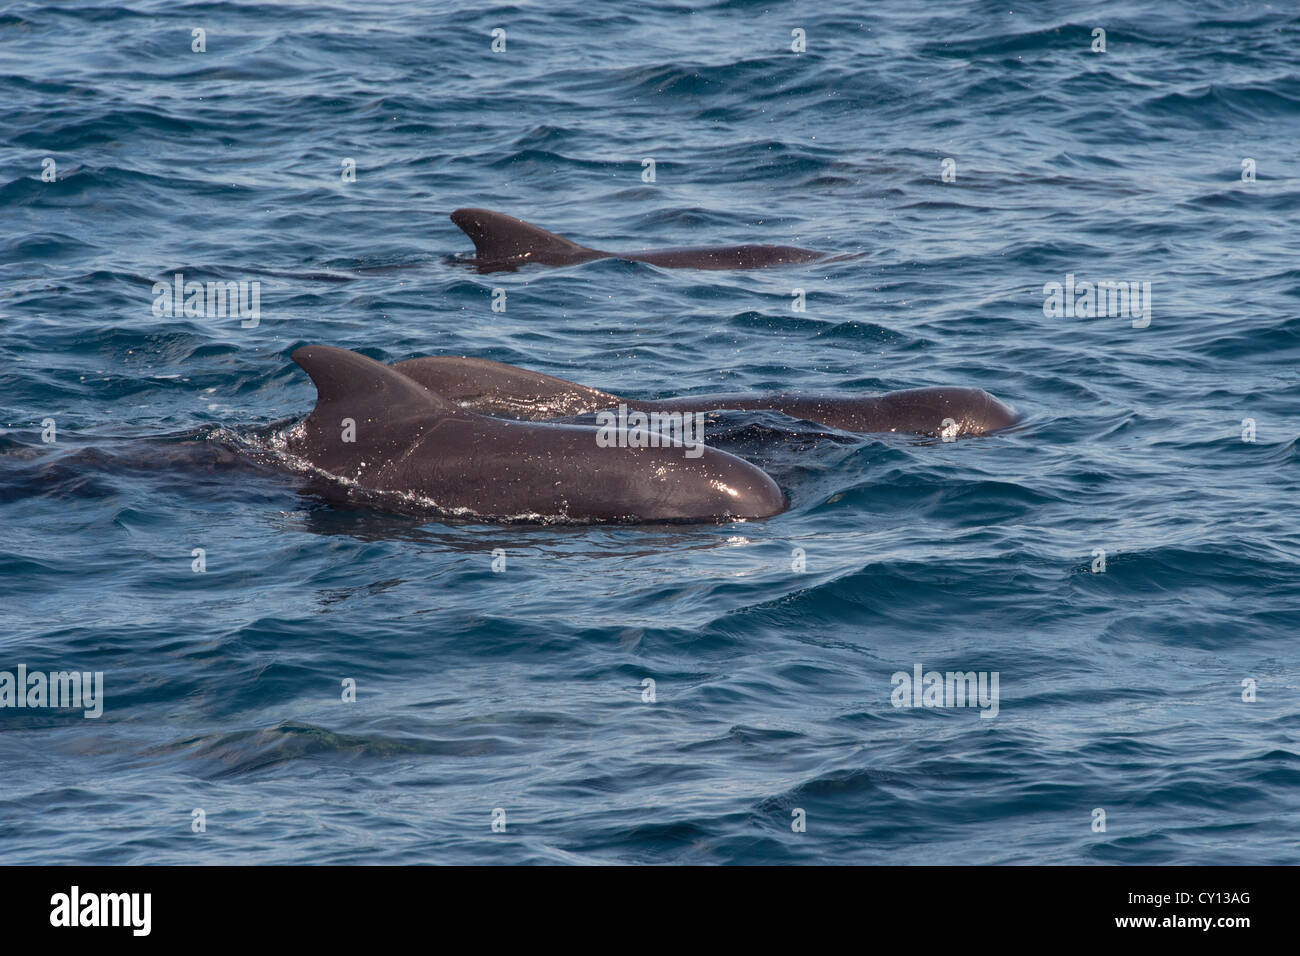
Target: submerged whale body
(503, 242)
(492, 388)
(408, 440)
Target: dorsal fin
(348, 377)
(501, 238)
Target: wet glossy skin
(504, 242)
(493, 388)
(409, 441)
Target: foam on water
(773, 667)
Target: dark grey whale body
(411, 441)
(505, 243)
(493, 388)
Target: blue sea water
(1120, 690)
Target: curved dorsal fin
(501, 238)
(348, 377)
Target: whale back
(504, 242)
(494, 388)
(386, 433)
(725, 257)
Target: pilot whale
(504, 243)
(492, 388)
(384, 431)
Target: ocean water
(1125, 561)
